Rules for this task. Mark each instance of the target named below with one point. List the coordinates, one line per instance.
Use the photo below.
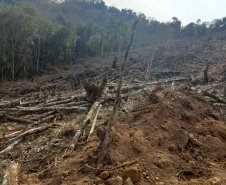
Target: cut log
(11, 104)
(11, 174)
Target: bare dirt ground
(171, 137)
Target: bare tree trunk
(38, 55)
(2, 67)
(117, 99)
(13, 62)
(102, 46)
(14, 43)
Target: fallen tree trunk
(170, 80)
(60, 102)
(80, 104)
(140, 86)
(94, 122)
(12, 118)
(25, 104)
(129, 88)
(45, 109)
(90, 116)
(36, 118)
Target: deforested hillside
(169, 126)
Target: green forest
(37, 36)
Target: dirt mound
(176, 135)
(176, 138)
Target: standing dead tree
(117, 100)
(147, 72)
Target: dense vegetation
(37, 35)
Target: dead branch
(220, 100)
(111, 169)
(34, 130)
(10, 147)
(47, 118)
(94, 122)
(14, 134)
(117, 99)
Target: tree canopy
(36, 35)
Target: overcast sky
(185, 10)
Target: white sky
(185, 10)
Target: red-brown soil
(177, 138)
